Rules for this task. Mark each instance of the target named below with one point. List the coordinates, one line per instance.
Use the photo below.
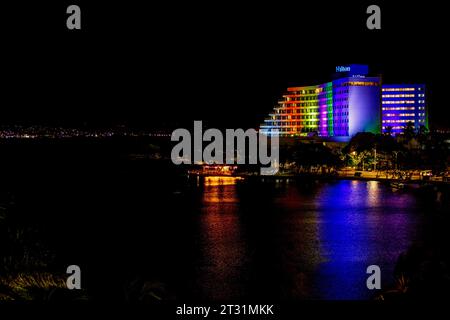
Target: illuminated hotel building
(403, 103)
(343, 107)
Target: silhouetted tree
(362, 141)
(388, 131)
(409, 130)
(423, 130)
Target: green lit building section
(326, 109)
(309, 110)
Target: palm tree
(409, 130)
(423, 130)
(388, 131)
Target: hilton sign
(354, 70)
(342, 69)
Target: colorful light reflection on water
(317, 240)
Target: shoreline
(325, 177)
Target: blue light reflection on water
(325, 235)
(361, 223)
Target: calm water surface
(129, 222)
(212, 239)
(299, 240)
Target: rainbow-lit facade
(403, 103)
(352, 103)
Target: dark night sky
(226, 64)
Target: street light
(375, 158)
(396, 159)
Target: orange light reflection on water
(211, 181)
(223, 246)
